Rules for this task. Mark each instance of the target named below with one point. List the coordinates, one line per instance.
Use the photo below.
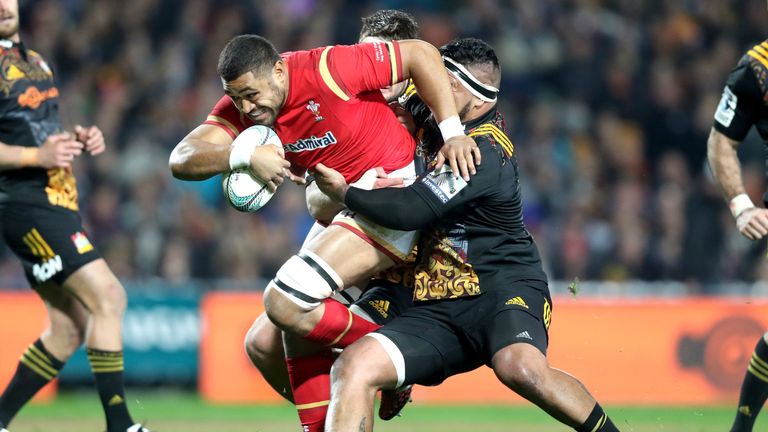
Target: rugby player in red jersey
(326, 107)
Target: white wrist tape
(739, 203)
(451, 127)
(240, 156)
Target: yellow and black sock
(37, 367)
(754, 389)
(107, 369)
(597, 421)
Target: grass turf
(183, 412)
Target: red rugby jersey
(334, 112)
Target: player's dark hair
(390, 24)
(246, 53)
(470, 51)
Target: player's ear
(278, 70)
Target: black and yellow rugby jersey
(29, 113)
(473, 237)
(744, 102)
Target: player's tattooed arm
(751, 221)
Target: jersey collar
(485, 118)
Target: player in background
(41, 225)
(326, 106)
(741, 107)
(495, 307)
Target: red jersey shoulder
(349, 70)
(226, 116)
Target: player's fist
(268, 163)
(461, 153)
(753, 223)
(330, 182)
(92, 139)
(59, 150)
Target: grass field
(181, 412)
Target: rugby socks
(311, 385)
(597, 421)
(107, 367)
(37, 367)
(754, 389)
(339, 327)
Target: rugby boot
(393, 401)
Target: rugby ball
(243, 190)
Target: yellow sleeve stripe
(392, 61)
(410, 90)
(498, 135)
(37, 245)
(325, 73)
(755, 55)
(224, 122)
(761, 50)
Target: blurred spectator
(609, 102)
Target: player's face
(259, 98)
(9, 20)
(463, 99)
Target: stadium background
(609, 103)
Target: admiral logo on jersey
(311, 143)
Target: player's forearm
(423, 64)
(12, 156)
(196, 159)
(724, 162)
(395, 208)
(320, 205)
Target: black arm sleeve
(396, 208)
(740, 103)
(432, 195)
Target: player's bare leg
(525, 370)
(357, 374)
(264, 346)
(103, 295)
(44, 358)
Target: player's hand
(377, 178)
(753, 223)
(462, 154)
(92, 139)
(59, 150)
(330, 182)
(268, 163)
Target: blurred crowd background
(609, 104)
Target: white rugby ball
(244, 191)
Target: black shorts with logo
(442, 338)
(49, 240)
(385, 300)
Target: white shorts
(395, 244)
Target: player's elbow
(180, 164)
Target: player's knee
(110, 300)
(520, 369)
(351, 368)
(263, 343)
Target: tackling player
(41, 225)
(741, 107)
(481, 293)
